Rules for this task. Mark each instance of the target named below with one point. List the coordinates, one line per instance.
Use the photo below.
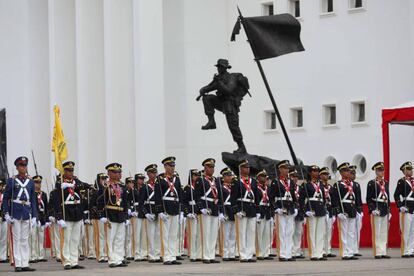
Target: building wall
(126, 75)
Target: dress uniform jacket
(227, 208)
(74, 206)
(245, 199)
(208, 195)
(114, 202)
(313, 198)
(404, 194)
(42, 207)
(264, 206)
(378, 195)
(346, 194)
(168, 195)
(190, 206)
(283, 197)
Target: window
(268, 8)
(361, 162)
(329, 112)
(295, 7)
(358, 112)
(270, 120)
(327, 6)
(356, 4)
(331, 163)
(297, 117)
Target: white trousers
(82, 240)
(297, 238)
(56, 240)
(181, 231)
(89, 240)
(72, 235)
(138, 241)
(316, 234)
(285, 228)
(209, 226)
(169, 238)
(116, 243)
(229, 250)
(154, 240)
(358, 234)
(128, 240)
(21, 250)
(37, 250)
(327, 248)
(3, 240)
(194, 239)
(263, 233)
(246, 237)
(348, 237)
(380, 233)
(407, 230)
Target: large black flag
(271, 36)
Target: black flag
(271, 36)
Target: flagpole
(272, 99)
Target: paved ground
(367, 265)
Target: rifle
(34, 163)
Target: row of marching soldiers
(237, 217)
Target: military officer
(100, 229)
(360, 213)
(37, 250)
(114, 202)
(343, 199)
(404, 197)
(192, 212)
(168, 195)
(131, 239)
(312, 200)
(330, 218)
(20, 210)
(282, 194)
(69, 215)
(208, 199)
(264, 224)
(229, 227)
(244, 199)
(379, 207)
(297, 251)
(151, 223)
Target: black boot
(211, 124)
(241, 149)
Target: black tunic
(404, 191)
(113, 200)
(281, 198)
(168, 195)
(73, 206)
(190, 206)
(263, 207)
(208, 195)
(347, 196)
(313, 198)
(42, 207)
(378, 195)
(243, 199)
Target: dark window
(361, 112)
(299, 118)
(358, 3)
(329, 7)
(272, 120)
(332, 115)
(297, 8)
(270, 9)
(334, 165)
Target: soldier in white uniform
(20, 210)
(297, 251)
(330, 217)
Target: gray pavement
(367, 265)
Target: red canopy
(402, 115)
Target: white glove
(149, 217)
(327, 217)
(279, 211)
(52, 219)
(204, 211)
(295, 213)
(333, 219)
(103, 220)
(389, 217)
(240, 214)
(309, 214)
(163, 216)
(87, 221)
(360, 215)
(127, 222)
(221, 217)
(342, 216)
(9, 219)
(272, 221)
(47, 224)
(403, 209)
(258, 216)
(134, 214)
(33, 222)
(129, 212)
(62, 223)
(64, 185)
(181, 218)
(39, 224)
(375, 213)
(191, 216)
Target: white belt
(72, 202)
(284, 198)
(315, 199)
(136, 204)
(149, 202)
(86, 212)
(209, 199)
(246, 200)
(264, 204)
(192, 202)
(409, 199)
(227, 203)
(169, 198)
(380, 200)
(348, 201)
(23, 202)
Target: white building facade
(126, 74)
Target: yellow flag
(58, 142)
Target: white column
(90, 88)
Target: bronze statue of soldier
(230, 89)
